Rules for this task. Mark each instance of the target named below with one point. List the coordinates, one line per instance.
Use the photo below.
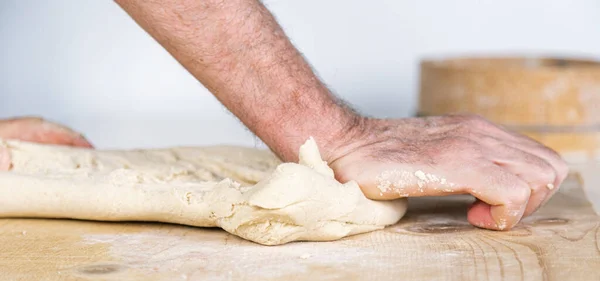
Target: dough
(245, 191)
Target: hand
(33, 129)
(510, 175)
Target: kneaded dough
(245, 191)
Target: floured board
(433, 242)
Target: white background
(88, 65)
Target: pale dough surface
(245, 191)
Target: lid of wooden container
(514, 91)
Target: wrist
(347, 127)
(353, 134)
(332, 124)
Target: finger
(81, 141)
(41, 131)
(549, 155)
(531, 146)
(535, 171)
(60, 136)
(502, 198)
(505, 194)
(480, 214)
(5, 159)
(57, 137)
(63, 135)
(478, 125)
(558, 164)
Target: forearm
(239, 52)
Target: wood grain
(433, 242)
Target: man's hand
(33, 129)
(509, 174)
(240, 53)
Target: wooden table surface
(433, 242)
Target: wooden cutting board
(433, 241)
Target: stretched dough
(245, 191)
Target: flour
(401, 182)
(200, 256)
(394, 181)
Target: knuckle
(462, 130)
(539, 170)
(477, 121)
(547, 150)
(559, 164)
(462, 143)
(470, 123)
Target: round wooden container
(555, 101)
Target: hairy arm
(239, 52)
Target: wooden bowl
(553, 100)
